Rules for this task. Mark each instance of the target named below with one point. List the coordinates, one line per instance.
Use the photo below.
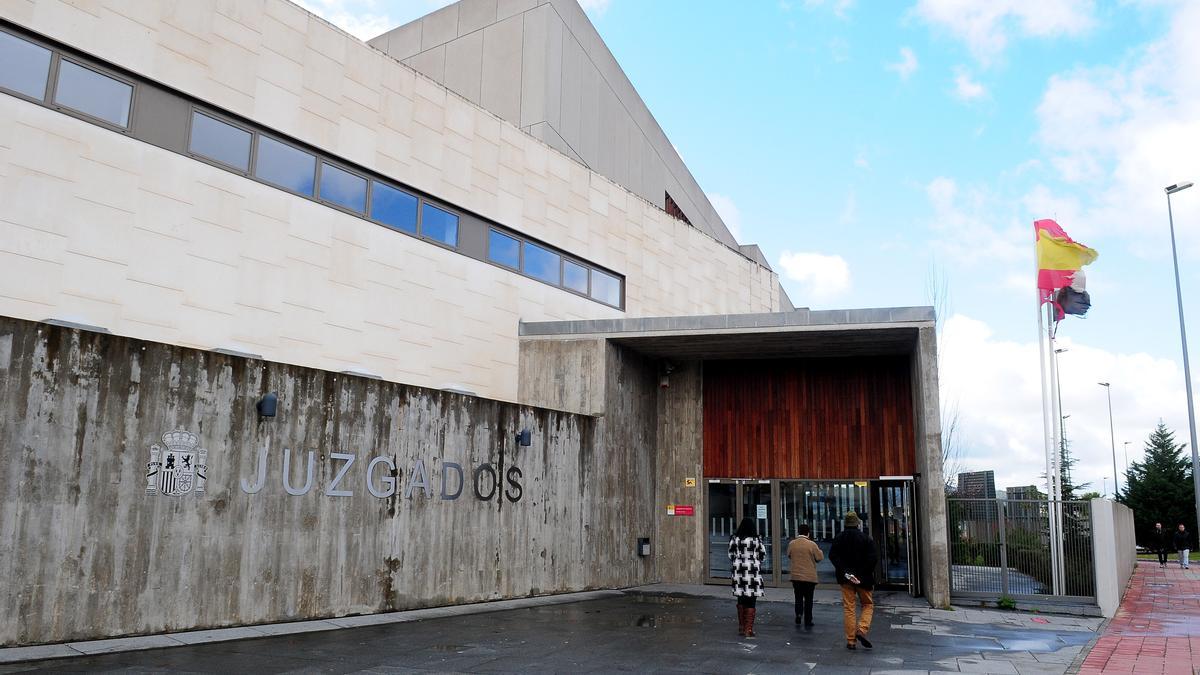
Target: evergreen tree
(1159, 488)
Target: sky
(878, 150)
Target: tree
(1089, 496)
(937, 288)
(1159, 488)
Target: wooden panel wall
(809, 418)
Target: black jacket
(1160, 539)
(1182, 540)
(854, 553)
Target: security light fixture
(268, 404)
(524, 438)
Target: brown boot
(750, 611)
(741, 621)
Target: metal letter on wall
(446, 468)
(262, 472)
(418, 478)
(287, 473)
(388, 480)
(332, 490)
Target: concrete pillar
(681, 539)
(931, 499)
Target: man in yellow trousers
(853, 556)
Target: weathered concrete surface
(681, 539)
(933, 543)
(568, 375)
(86, 552)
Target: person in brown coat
(804, 554)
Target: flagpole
(1047, 437)
(1058, 445)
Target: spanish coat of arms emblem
(178, 466)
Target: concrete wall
(158, 246)
(87, 551)
(933, 537)
(1115, 552)
(541, 64)
(682, 540)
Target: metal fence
(1002, 548)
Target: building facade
(308, 316)
(977, 484)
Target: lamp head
(1103, 384)
(1178, 187)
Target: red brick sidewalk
(1157, 627)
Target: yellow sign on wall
(689, 482)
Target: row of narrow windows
(56, 79)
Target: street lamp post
(1187, 372)
(1112, 437)
(1127, 462)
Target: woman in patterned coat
(746, 552)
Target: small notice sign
(762, 511)
(860, 483)
(689, 482)
(681, 510)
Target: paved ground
(1156, 629)
(639, 632)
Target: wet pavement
(637, 632)
(1157, 627)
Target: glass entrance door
(822, 505)
(891, 517)
(728, 501)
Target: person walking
(853, 556)
(1183, 544)
(1161, 541)
(746, 552)
(803, 556)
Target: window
(575, 277)
(439, 225)
(542, 264)
(394, 208)
(343, 188)
(91, 93)
(220, 142)
(606, 288)
(504, 249)
(285, 166)
(24, 66)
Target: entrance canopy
(797, 334)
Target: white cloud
(996, 387)
(358, 17)
(966, 88)
(822, 277)
(850, 210)
(729, 213)
(860, 160)
(594, 7)
(986, 26)
(1121, 134)
(906, 66)
(969, 232)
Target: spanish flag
(1058, 257)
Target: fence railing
(1002, 547)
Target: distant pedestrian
(1183, 544)
(853, 556)
(804, 554)
(1160, 539)
(746, 552)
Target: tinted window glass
(606, 288)
(219, 141)
(23, 66)
(93, 94)
(343, 188)
(285, 166)
(439, 225)
(504, 249)
(541, 264)
(394, 208)
(575, 277)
